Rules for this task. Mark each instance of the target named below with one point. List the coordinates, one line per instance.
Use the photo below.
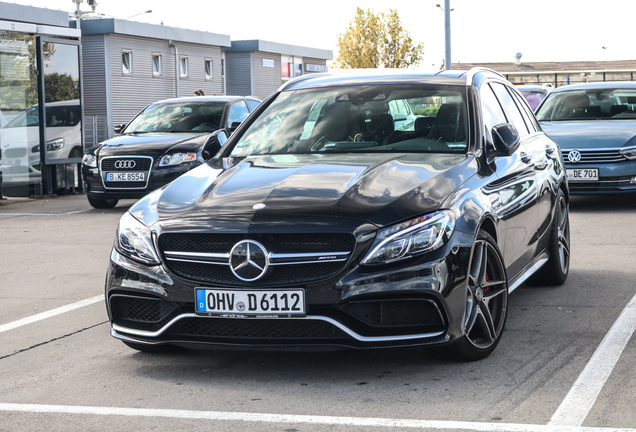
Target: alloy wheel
(563, 232)
(487, 297)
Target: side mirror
(234, 125)
(118, 128)
(399, 117)
(215, 141)
(505, 140)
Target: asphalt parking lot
(566, 361)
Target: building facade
(128, 65)
(258, 68)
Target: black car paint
(505, 196)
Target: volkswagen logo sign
(249, 260)
(122, 164)
(574, 156)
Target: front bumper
(613, 178)
(410, 304)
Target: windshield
(56, 116)
(363, 118)
(178, 117)
(605, 104)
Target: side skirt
(528, 271)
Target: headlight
(628, 152)
(89, 160)
(177, 158)
(401, 241)
(134, 240)
(55, 144)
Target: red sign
(285, 70)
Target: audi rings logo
(574, 156)
(122, 164)
(249, 260)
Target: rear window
(56, 116)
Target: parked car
(20, 140)
(339, 231)
(595, 126)
(162, 142)
(534, 94)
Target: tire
(555, 271)
(149, 348)
(486, 304)
(102, 203)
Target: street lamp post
(447, 28)
(140, 13)
(80, 13)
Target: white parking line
(297, 419)
(53, 312)
(44, 214)
(582, 396)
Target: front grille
(141, 312)
(17, 152)
(596, 156)
(142, 164)
(395, 313)
(261, 329)
(220, 273)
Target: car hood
(149, 144)
(379, 188)
(591, 134)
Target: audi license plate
(125, 176)
(230, 303)
(582, 174)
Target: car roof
(383, 76)
(598, 86)
(206, 99)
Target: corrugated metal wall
(132, 92)
(266, 79)
(237, 73)
(95, 92)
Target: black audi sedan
(162, 142)
(320, 225)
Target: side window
(528, 115)
(253, 104)
(490, 109)
(510, 108)
(238, 113)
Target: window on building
(126, 62)
(183, 67)
(156, 64)
(208, 69)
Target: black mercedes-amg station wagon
(357, 210)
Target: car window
(253, 104)
(491, 109)
(360, 119)
(526, 112)
(238, 113)
(188, 116)
(605, 103)
(56, 116)
(510, 108)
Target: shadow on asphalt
(602, 203)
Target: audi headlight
(134, 240)
(628, 152)
(89, 160)
(177, 158)
(419, 235)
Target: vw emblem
(249, 260)
(125, 164)
(574, 156)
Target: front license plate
(250, 304)
(126, 176)
(582, 174)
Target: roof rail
(301, 78)
(474, 71)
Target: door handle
(549, 150)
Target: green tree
(377, 40)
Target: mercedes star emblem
(249, 260)
(574, 156)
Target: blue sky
(482, 31)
